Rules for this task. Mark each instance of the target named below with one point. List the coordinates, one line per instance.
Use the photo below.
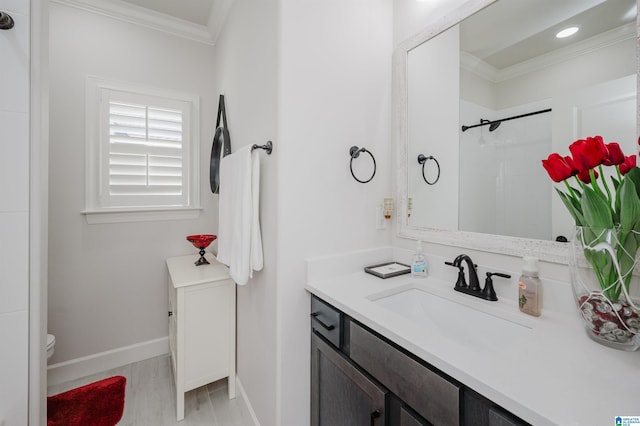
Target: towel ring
(354, 152)
(6, 21)
(423, 160)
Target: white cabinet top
(184, 272)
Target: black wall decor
(221, 147)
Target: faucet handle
(498, 274)
(488, 292)
(461, 282)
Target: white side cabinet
(202, 325)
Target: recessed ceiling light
(567, 32)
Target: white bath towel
(239, 236)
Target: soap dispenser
(419, 263)
(530, 288)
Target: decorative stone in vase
(601, 265)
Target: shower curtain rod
(487, 122)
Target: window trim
(94, 212)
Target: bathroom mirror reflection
(506, 61)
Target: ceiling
(509, 32)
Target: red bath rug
(99, 403)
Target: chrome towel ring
(423, 160)
(354, 152)
(6, 21)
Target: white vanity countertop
(552, 374)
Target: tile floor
(150, 398)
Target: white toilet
(51, 342)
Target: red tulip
(585, 177)
(572, 164)
(615, 155)
(588, 153)
(628, 164)
(558, 168)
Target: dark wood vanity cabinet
(359, 378)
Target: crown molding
(479, 67)
(589, 45)
(137, 15)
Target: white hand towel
(256, 235)
(239, 236)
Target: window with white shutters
(141, 151)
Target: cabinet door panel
(206, 333)
(341, 395)
(408, 419)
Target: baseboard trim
(103, 361)
(246, 401)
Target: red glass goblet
(201, 241)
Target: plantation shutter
(144, 162)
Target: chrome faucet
(473, 288)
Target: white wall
(38, 206)
(14, 214)
(335, 92)
(107, 282)
(246, 58)
(316, 78)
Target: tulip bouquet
(604, 210)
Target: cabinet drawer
(430, 395)
(326, 321)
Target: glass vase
(601, 265)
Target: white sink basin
(457, 321)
